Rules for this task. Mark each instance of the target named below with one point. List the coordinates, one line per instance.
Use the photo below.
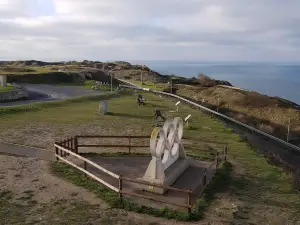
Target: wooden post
(76, 144)
(68, 146)
(190, 202)
(72, 144)
(56, 151)
(129, 141)
(120, 188)
(288, 131)
(204, 178)
(217, 158)
(225, 152)
(85, 168)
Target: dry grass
(255, 108)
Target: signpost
(186, 120)
(177, 105)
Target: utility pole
(218, 104)
(171, 86)
(111, 80)
(142, 75)
(288, 134)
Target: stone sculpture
(3, 81)
(168, 157)
(103, 107)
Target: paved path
(46, 92)
(27, 151)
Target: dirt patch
(20, 174)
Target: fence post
(72, 146)
(85, 168)
(56, 151)
(189, 202)
(120, 188)
(76, 144)
(61, 151)
(68, 146)
(204, 178)
(217, 159)
(225, 152)
(129, 141)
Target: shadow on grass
(126, 115)
(220, 183)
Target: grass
(7, 88)
(16, 210)
(151, 85)
(254, 185)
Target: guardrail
(133, 86)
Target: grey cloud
(267, 28)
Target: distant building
(3, 80)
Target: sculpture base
(171, 175)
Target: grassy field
(151, 85)
(256, 193)
(7, 88)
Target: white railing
(134, 86)
(85, 171)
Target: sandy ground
(23, 176)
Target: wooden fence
(70, 146)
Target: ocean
(273, 79)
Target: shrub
(204, 78)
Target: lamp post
(111, 80)
(142, 75)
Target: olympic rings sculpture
(165, 142)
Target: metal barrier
(133, 86)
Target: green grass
(24, 210)
(150, 84)
(254, 185)
(7, 88)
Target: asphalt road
(46, 92)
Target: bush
(204, 78)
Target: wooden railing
(70, 147)
(129, 145)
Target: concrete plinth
(171, 175)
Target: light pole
(111, 80)
(288, 134)
(111, 89)
(142, 75)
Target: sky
(196, 30)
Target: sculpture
(166, 149)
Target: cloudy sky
(210, 30)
